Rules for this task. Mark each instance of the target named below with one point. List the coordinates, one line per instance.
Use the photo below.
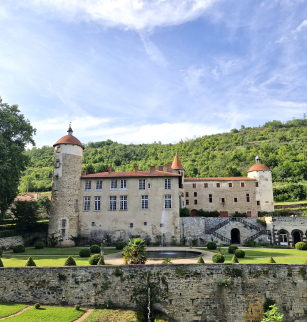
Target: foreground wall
(196, 292)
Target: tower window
(113, 185)
(142, 183)
(93, 223)
(218, 185)
(63, 222)
(58, 149)
(131, 225)
(210, 198)
(258, 203)
(97, 203)
(195, 202)
(242, 184)
(187, 194)
(223, 200)
(194, 185)
(148, 185)
(98, 185)
(195, 194)
(235, 199)
(144, 202)
(56, 182)
(161, 225)
(76, 205)
(230, 184)
(168, 201)
(256, 184)
(123, 203)
(87, 201)
(57, 164)
(167, 184)
(87, 186)
(247, 197)
(63, 233)
(112, 205)
(123, 184)
(205, 185)
(187, 202)
(145, 223)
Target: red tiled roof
(220, 179)
(177, 164)
(130, 174)
(258, 167)
(69, 139)
(29, 196)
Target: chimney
(84, 172)
(136, 168)
(152, 169)
(169, 167)
(160, 167)
(110, 169)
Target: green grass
(289, 202)
(265, 260)
(7, 309)
(61, 251)
(48, 314)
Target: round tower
(264, 186)
(64, 214)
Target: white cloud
(152, 50)
(302, 26)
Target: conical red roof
(69, 139)
(176, 165)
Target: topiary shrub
(30, 262)
(271, 260)
(240, 253)
(70, 261)
(94, 259)
(232, 248)
(218, 258)
(101, 261)
(95, 249)
(37, 306)
(200, 260)
(1, 263)
(120, 244)
(85, 252)
(301, 246)
(77, 307)
(211, 245)
(234, 259)
(39, 245)
(19, 249)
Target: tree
(135, 251)
(26, 215)
(15, 133)
(44, 204)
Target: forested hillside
(282, 147)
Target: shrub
(7, 233)
(200, 260)
(95, 249)
(203, 213)
(232, 248)
(94, 259)
(101, 261)
(39, 245)
(271, 260)
(167, 260)
(19, 249)
(185, 212)
(120, 244)
(37, 306)
(85, 252)
(240, 253)
(239, 214)
(301, 246)
(211, 245)
(218, 258)
(251, 243)
(77, 307)
(234, 259)
(30, 262)
(70, 262)
(1, 263)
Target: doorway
(296, 237)
(235, 236)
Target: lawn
(48, 314)
(7, 309)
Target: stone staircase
(261, 232)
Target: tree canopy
(15, 133)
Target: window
(187, 202)
(242, 184)
(218, 185)
(98, 185)
(148, 185)
(168, 201)
(56, 182)
(167, 184)
(235, 199)
(256, 184)
(113, 185)
(283, 238)
(63, 232)
(205, 185)
(57, 164)
(258, 203)
(145, 223)
(123, 184)
(144, 202)
(223, 200)
(93, 223)
(97, 203)
(195, 202)
(247, 197)
(58, 149)
(230, 184)
(187, 194)
(194, 185)
(112, 203)
(131, 225)
(123, 203)
(161, 225)
(259, 213)
(76, 205)
(87, 201)
(142, 184)
(63, 222)
(87, 186)
(210, 198)
(195, 194)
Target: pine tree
(30, 262)
(200, 260)
(70, 262)
(101, 261)
(1, 263)
(271, 260)
(234, 259)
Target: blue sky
(161, 70)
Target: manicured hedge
(120, 244)
(70, 261)
(218, 258)
(19, 249)
(85, 252)
(240, 253)
(39, 245)
(301, 246)
(95, 249)
(232, 248)
(211, 245)
(94, 259)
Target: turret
(64, 214)
(264, 186)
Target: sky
(139, 71)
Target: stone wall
(11, 241)
(196, 292)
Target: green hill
(281, 147)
